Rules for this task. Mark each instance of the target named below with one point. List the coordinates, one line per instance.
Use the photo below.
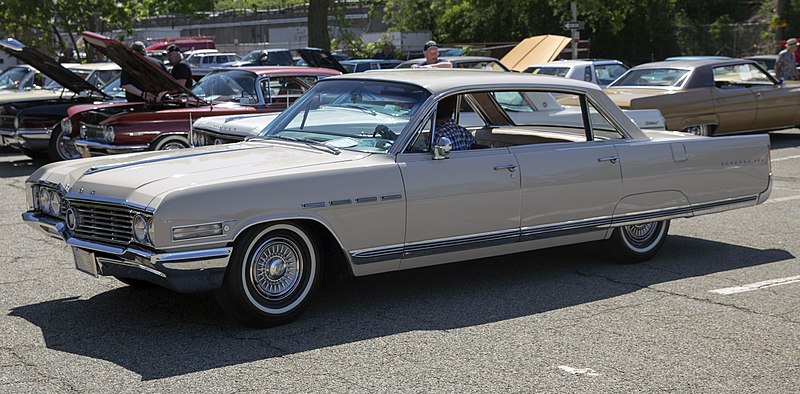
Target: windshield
(11, 78)
(365, 116)
(653, 77)
(557, 71)
(252, 57)
(113, 89)
(228, 86)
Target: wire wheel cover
(276, 268)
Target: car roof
(103, 66)
(441, 80)
(691, 64)
(576, 62)
(286, 70)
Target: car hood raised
(153, 78)
(535, 50)
(141, 178)
(48, 66)
(239, 125)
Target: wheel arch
(335, 258)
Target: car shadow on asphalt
(158, 334)
(779, 140)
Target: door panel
(735, 107)
(567, 188)
(777, 106)
(460, 202)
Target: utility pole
(575, 27)
(576, 33)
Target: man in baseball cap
(786, 65)
(432, 60)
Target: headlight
(44, 200)
(16, 122)
(55, 203)
(83, 131)
(66, 126)
(108, 133)
(140, 228)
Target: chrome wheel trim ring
(63, 147)
(641, 238)
(276, 268)
(309, 267)
(173, 145)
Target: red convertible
(129, 127)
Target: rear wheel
(171, 142)
(703, 129)
(62, 146)
(638, 242)
(273, 272)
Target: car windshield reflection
(365, 116)
(228, 86)
(656, 77)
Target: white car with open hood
(354, 173)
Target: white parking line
(578, 371)
(758, 285)
(786, 158)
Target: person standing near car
(180, 70)
(133, 88)
(786, 66)
(432, 60)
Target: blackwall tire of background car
(638, 242)
(60, 148)
(170, 142)
(273, 272)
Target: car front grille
(92, 131)
(102, 222)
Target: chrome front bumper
(92, 148)
(185, 272)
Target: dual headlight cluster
(143, 229)
(108, 131)
(48, 200)
(66, 126)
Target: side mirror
(442, 148)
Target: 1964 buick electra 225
(355, 173)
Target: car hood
(48, 66)
(145, 178)
(36, 94)
(239, 125)
(623, 96)
(534, 50)
(152, 77)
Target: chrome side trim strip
(193, 255)
(366, 199)
(320, 204)
(455, 244)
(391, 197)
(341, 202)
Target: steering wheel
(384, 132)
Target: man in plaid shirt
(446, 126)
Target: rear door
(734, 101)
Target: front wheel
(703, 130)
(61, 146)
(170, 142)
(271, 276)
(638, 242)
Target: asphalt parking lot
(718, 310)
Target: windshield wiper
(308, 141)
(360, 107)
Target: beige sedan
(372, 172)
(710, 97)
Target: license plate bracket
(85, 261)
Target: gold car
(710, 97)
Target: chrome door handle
(509, 167)
(612, 159)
